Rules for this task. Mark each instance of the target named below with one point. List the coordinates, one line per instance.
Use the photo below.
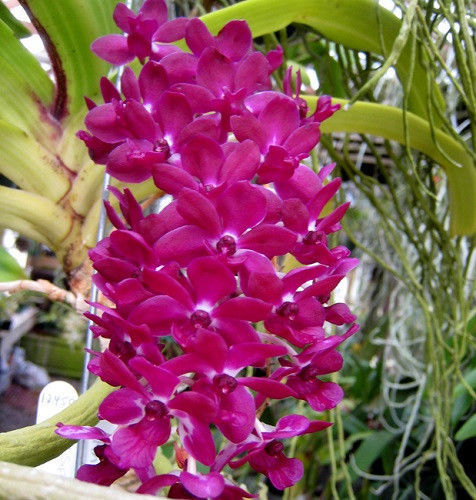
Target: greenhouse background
(403, 74)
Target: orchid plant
(205, 271)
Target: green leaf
(462, 398)
(10, 270)
(34, 216)
(330, 77)
(468, 430)
(12, 22)
(21, 102)
(29, 165)
(471, 328)
(387, 121)
(372, 448)
(69, 27)
(26, 66)
(352, 424)
(357, 24)
(24, 482)
(323, 452)
(328, 70)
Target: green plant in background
(410, 379)
(10, 269)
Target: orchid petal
(279, 118)
(82, 432)
(235, 219)
(252, 354)
(136, 445)
(171, 31)
(303, 139)
(242, 163)
(203, 485)
(195, 404)
(268, 239)
(122, 407)
(112, 48)
(152, 486)
(252, 73)
(163, 383)
(214, 71)
(197, 439)
(210, 279)
(267, 387)
(198, 210)
(130, 85)
(197, 36)
(237, 415)
(246, 308)
(153, 82)
(234, 40)
(203, 157)
(180, 67)
(172, 179)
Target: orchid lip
(225, 383)
(226, 245)
(288, 310)
(309, 372)
(275, 448)
(200, 319)
(155, 409)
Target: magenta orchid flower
(203, 327)
(282, 140)
(139, 30)
(222, 227)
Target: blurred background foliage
(406, 426)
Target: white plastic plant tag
(54, 397)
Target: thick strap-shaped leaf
(357, 24)
(23, 98)
(25, 64)
(29, 165)
(387, 121)
(69, 27)
(19, 30)
(34, 216)
(23, 482)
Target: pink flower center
(309, 372)
(124, 350)
(313, 237)
(155, 409)
(225, 383)
(226, 245)
(324, 298)
(99, 452)
(200, 319)
(275, 448)
(162, 146)
(302, 106)
(288, 310)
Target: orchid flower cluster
(202, 275)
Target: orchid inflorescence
(203, 273)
